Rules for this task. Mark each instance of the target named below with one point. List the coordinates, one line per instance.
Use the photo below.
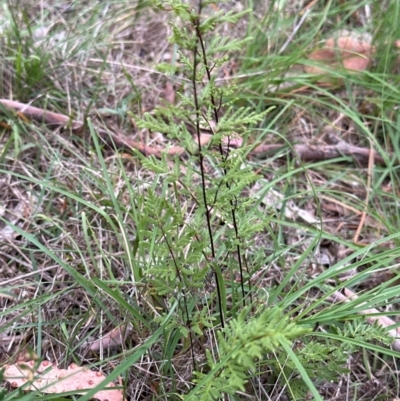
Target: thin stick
(369, 181)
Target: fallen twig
(40, 115)
(320, 152)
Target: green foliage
(29, 62)
(325, 360)
(242, 346)
(360, 331)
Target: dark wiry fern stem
(188, 319)
(224, 155)
(196, 23)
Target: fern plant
(205, 205)
(197, 222)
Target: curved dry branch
(40, 115)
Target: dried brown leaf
(168, 93)
(112, 339)
(350, 52)
(50, 379)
